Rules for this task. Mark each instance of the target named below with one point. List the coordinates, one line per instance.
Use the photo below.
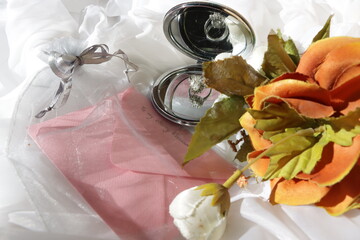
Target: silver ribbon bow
(64, 66)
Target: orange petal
(248, 122)
(347, 75)
(336, 162)
(305, 107)
(346, 97)
(275, 181)
(294, 89)
(317, 52)
(336, 63)
(258, 142)
(343, 196)
(292, 75)
(249, 100)
(310, 109)
(260, 166)
(296, 192)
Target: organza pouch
(122, 158)
(107, 140)
(101, 162)
(119, 154)
(59, 208)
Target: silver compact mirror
(202, 31)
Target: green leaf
(298, 153)
(324, 32)
(349, 122)
(232, 76)
(220, 122)
(341, 130)
(294, 149)
(220, 194)
(301, 153)
(341, 137)
(276, 59)
(275, 117)
(290, 48)
(292, 51)
(294, 142)
(245, 148)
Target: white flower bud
(196, 215)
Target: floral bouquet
(302, 118)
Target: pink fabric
(125, 160)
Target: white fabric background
(136, 28)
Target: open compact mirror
(201, 30)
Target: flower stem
(235, 176)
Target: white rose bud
(200, 213)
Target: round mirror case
(201, 30)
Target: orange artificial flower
(326, 84)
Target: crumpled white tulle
(305, 18)
(136, 28)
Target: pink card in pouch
(125, 159)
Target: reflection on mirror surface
(202, 31)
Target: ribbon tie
(64, 66)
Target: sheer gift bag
(113, 147)
(58, 207)
(104, 165)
